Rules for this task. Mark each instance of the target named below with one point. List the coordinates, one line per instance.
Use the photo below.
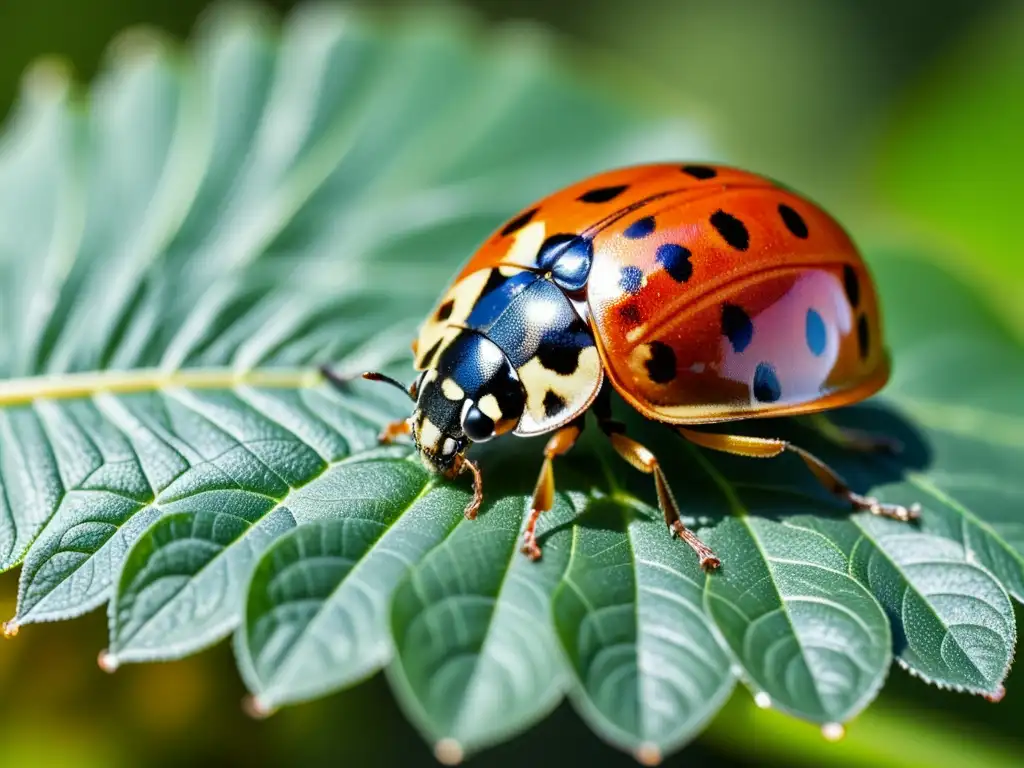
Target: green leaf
(476, 657)
(960, 382)
(648, 664)
(316, 613)
(809, 637)
(953, 620)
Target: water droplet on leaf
(833, 731)
(107, 661)
(648, 754)
(448, 751)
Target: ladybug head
(471, 395)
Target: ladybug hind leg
(766, 448)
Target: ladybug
(700, 293)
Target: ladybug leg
(854, 439)
(462, 464)
(641, 458)
(766, 448)
(544, 493)
(395, 429)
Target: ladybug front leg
(766, 448)
(641, 458)
(393, 430)
(544, 493)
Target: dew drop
(736, 670)
(256, 709)
(108, 662)
(996, 696)
(648, 754)
(11, 629)
(833, 731)
(448, 751)
(763, 700)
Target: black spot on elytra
(602, 194)
(863, 336)
(630, 313)
(631, 278)
(445, 310)
(736, 327)
(794, 221)
(428, 358)
(766, 384)
(554, 404)
(852, 285)
(519, 222)
(661, 366)
(701, 172)
(732, 230)
(560, 358)
(640, 228)
(676, 261)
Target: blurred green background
(904, 118)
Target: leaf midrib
(24, 391)
(909, 586)
(458, 722)
(743, 515)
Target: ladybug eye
(477, 425)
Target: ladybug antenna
(341, 382)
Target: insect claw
(882, 509)
(710, 562)
(530, 548)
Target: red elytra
(787, 257)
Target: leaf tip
(833, 731)
(257, 709)
(136, 44)
(648, 754)
(995, 697)
(48, 77)
(448, 751)
(11, 629)
(108, 662)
